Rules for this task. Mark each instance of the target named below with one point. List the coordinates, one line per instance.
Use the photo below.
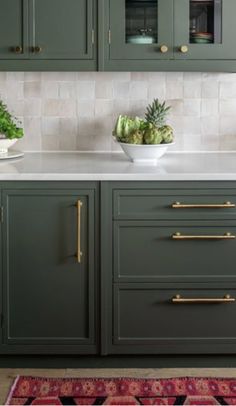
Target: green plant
(8, 124)
(156, 113)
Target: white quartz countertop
(102, 166)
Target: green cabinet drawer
(147, 321)
(161, 204)
(153, 250)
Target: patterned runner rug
(122, 391)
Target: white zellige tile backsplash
(63, 111)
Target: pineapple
(156, 113)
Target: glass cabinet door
(141, 29)
(204, 29)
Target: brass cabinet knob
(184, 49)
(164, 49)
(38, 49)
(18, 50)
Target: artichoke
(153, 135)
(125, 126)
(167, 134)
(135, 137)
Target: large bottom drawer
(155, 319)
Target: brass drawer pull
(226, 205)
(79, 253)
(226, 236)
(225, 299)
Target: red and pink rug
(122, 391)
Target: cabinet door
(205, 29)
(62, 29)
(13, 29)
(49, 293)
(141, 29)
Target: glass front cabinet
(145, 34)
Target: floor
(7, 375)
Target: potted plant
(145, 140)
(10, 130)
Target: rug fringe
(12, 390)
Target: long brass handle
(225, 299)
(79, 253)
(226, 236)
(226, 205)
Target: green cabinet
(49, 269)
(13, 29)
(168, 267)
(48, 35)
(169, 35)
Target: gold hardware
(226, 205)
(184, 49)
(109, 36)
(164, 49)
(18, 50)
(225, 299)
(226, 236)
(79, 253)
(92, 37)
(38, 50)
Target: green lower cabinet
(50, 299)
(146, 320)
(169, 286)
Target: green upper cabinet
(48, 35)
(169, 35)
(13, 29)
(144, 29)
(207, 29)
(62, 29)
(49, 270)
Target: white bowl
(5, 144)
(144, 153)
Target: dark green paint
(146, 321)
(62, 29)
(118, 300)
(145, 250)
(119, 49)
(156, 204)
(13, 29)
(50, 301)
(225, 50)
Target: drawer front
(164, 204)
(148, 251)
(146, 319)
